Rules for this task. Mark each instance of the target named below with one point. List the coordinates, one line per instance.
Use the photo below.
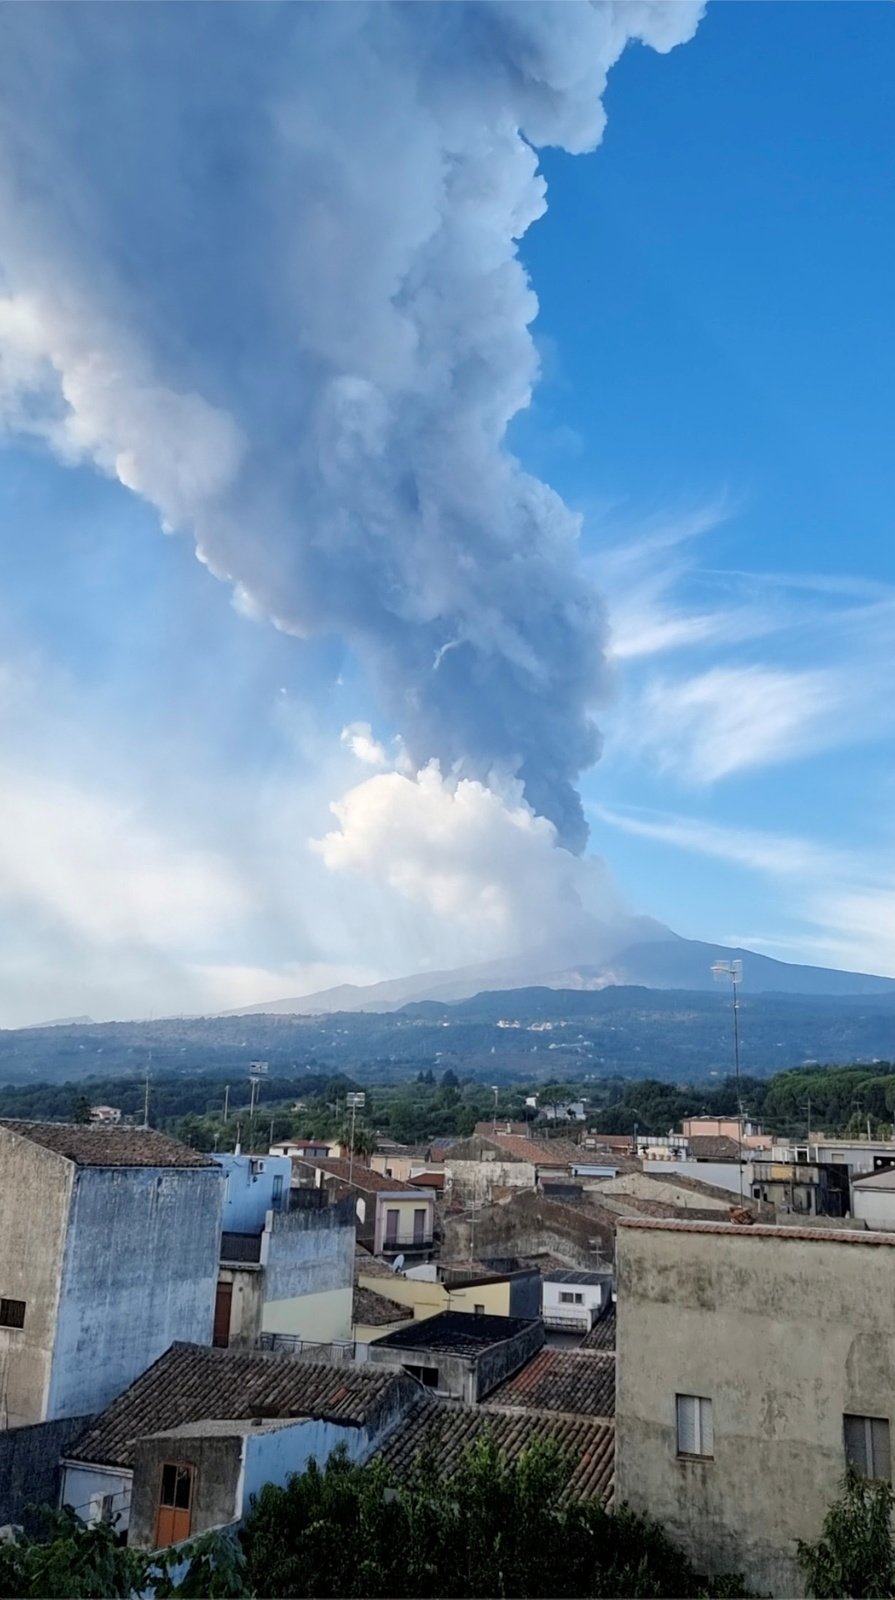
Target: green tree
(68, 1560)
(854, 1555)
(81, 1109)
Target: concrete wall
(30, 1470)
(723, 1174)
(217, 1486)
(875, 1207)
(308, 1261)
(531, 1224)
(663, 1187)
(140, 1270)
(468, 1378)
(83, 1488)
(473, 1182)
(246, 1305)
(784, 1333)
(249, 1193)
(273, 1456)
(33, 1218)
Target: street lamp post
(353, 1102)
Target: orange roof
(542, 1153)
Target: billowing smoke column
(260, 263)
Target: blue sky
(716, 346)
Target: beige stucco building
(750, 1361)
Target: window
(867, 1445)
(277, 1188)
(175, 1503)
(12, 1313)
(695, 1433)
(479, 1311)
(568, 1298)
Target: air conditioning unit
(257, 1168)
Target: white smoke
(260, 264)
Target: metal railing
(293, 1344)
(409, 1241)
(241, 1247)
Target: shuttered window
(695, 1434)
(867, 1445)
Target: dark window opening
(426, 1375)
(12, 1313)
(177, 1486)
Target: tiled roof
(602, 1334)
(448, 1430)
(93, 1145)
(374, 1309)
(427, 1180)
(580, 1382)
(368, 1266)
(761, 1230)
(713, 1147)
(359, 1176)
(542, 1153)
(522, 1130)
(196, 1383)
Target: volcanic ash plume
(260, 264)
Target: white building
(873, 1200)
(572, 1301)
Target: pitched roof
(96, 1145)
(713, 1147)
(448, 1430)
(357, 1174)
(375, 1309)
(541, 1152)
(197, 1383)
(602, 1334)
(579, 1382)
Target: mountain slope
(656, 958)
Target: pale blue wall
(273, 1457)
(140, 1270)
(311, 1252)
(249, 1195)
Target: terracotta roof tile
(542, 1153)
(713, 1147)
(196, 1383)
(602, 1334)
(448, 1430)
(93, 1145)
(579, 1382)
(360, 1176)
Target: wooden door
(175, 1504)
(223, 1301)
(419, 1225)
(391, 1225)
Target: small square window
(695, 1431)
(12, 1313)
(479, 1311)
(867, 1445)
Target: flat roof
(457, 1331)
(569, 1276)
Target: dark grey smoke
(260, 263)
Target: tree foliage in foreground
(495, 1528)
(67, 1560)
(854, 1556)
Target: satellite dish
(398, 1264)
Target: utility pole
(733, 970)
(226, 1102)
(146, 1100)
(495, 1091)
(256, 1072)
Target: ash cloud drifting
(259, 263)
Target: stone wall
(30, 1471)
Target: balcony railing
(241, 1247)
(408, 1241)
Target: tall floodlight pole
(353, 1101)
(733, 972)
(495, 1091)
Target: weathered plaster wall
(784, 1335)
(33, 1216)
(140, 1270)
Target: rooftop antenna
(733, 972)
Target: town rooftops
(456, 1333)
(96, 1145)
(359, 1176)
(540, 1152)
(197, 1383)
(446, 1432)
(833, 1235)
(602, 1334)
(580, 1382)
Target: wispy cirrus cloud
(842, 901)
